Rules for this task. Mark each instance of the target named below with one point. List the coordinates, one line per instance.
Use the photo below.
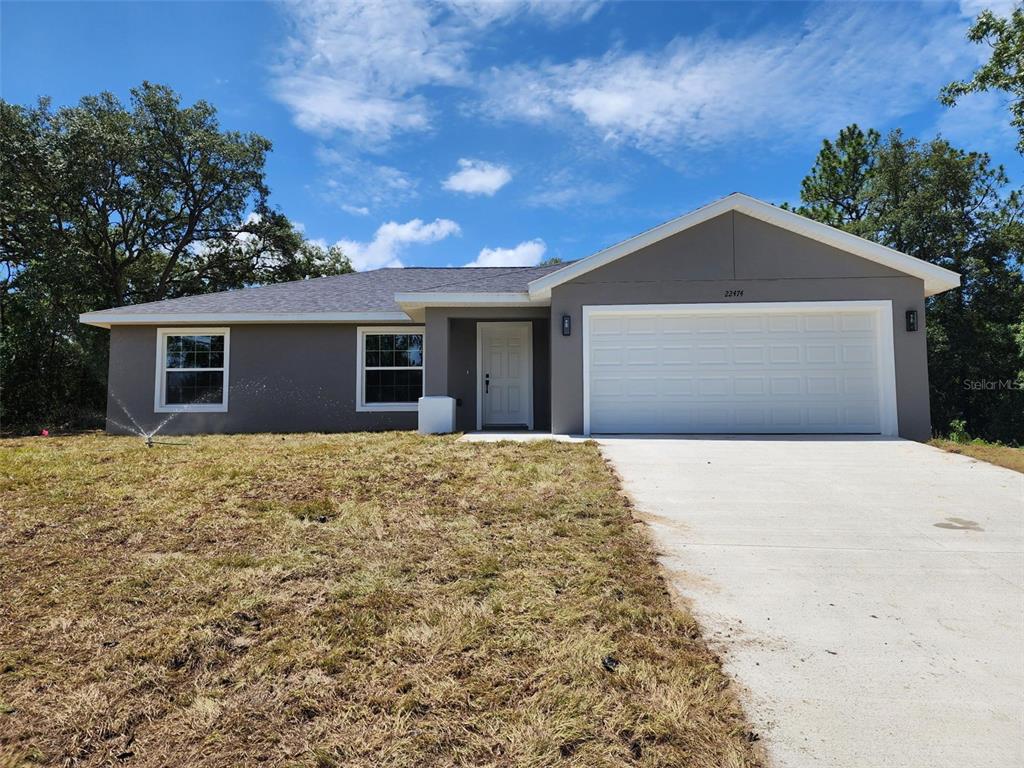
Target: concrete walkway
(866, 594)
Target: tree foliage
(1004, 70)
(104, 205)
(833, 192)
(952, 208)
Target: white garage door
(756, 368)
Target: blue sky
(505, 132)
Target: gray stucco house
(739, 317)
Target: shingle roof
(372, 291)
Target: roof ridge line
(508, 271)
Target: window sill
(219, 408)
(387, 407)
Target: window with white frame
(192, 369)
(390, 368)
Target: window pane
(414, 341)
(195, 351)
(394, 350)
(194, 388)
(175, 352)
(393, 386)
(409, 357)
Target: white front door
(504, 375)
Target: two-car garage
(784, 368)
(742, 318)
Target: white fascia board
(419, 299)
(106, 318)
(542, 285)
(936, 279)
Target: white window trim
(885, 330)
(160, 385)
(361, 333)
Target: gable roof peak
(936, 279)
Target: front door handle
(487, 383)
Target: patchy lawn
(356, 600)
(1001, 455)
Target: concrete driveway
(867, 594)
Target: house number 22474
(733, 294)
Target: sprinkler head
(149, 441)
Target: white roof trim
(936, 279)
(107, 318)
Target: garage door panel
(714, 324)
(785, 385)
(748, 355)
(857, 322)
(751, 417)
(608, 356)
(862, 415)
(600, 326)
(823, 385)
(749, 385)
(642, 355)
(718, 386)
(713, 418)
(786, 418)
(858, 353)
(640, 387)
(819, 323)
(677, 355)
(822, 354)
(824, 416)
(708, 354)
(783, 354)
(783, 323)
(684, 325)
(642, 326)
(672, 386)
(748, 324)
(681, 371)
(860, 386)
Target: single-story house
(739, 317)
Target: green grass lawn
(356, 600)
(1002, 455)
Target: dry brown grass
(357, 600)
(1000, 455)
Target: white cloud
(355, 66)
(360, 183)
(484, 12)
(355, 210)
(847, 63)
(477, 177)
(980, 121)
(971, 8)
(565, 189)
(527, 254)
(392, 238)
(358, 67)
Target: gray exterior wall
(282, 378)
(451, 358)
(302, 377)
(730, 252)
